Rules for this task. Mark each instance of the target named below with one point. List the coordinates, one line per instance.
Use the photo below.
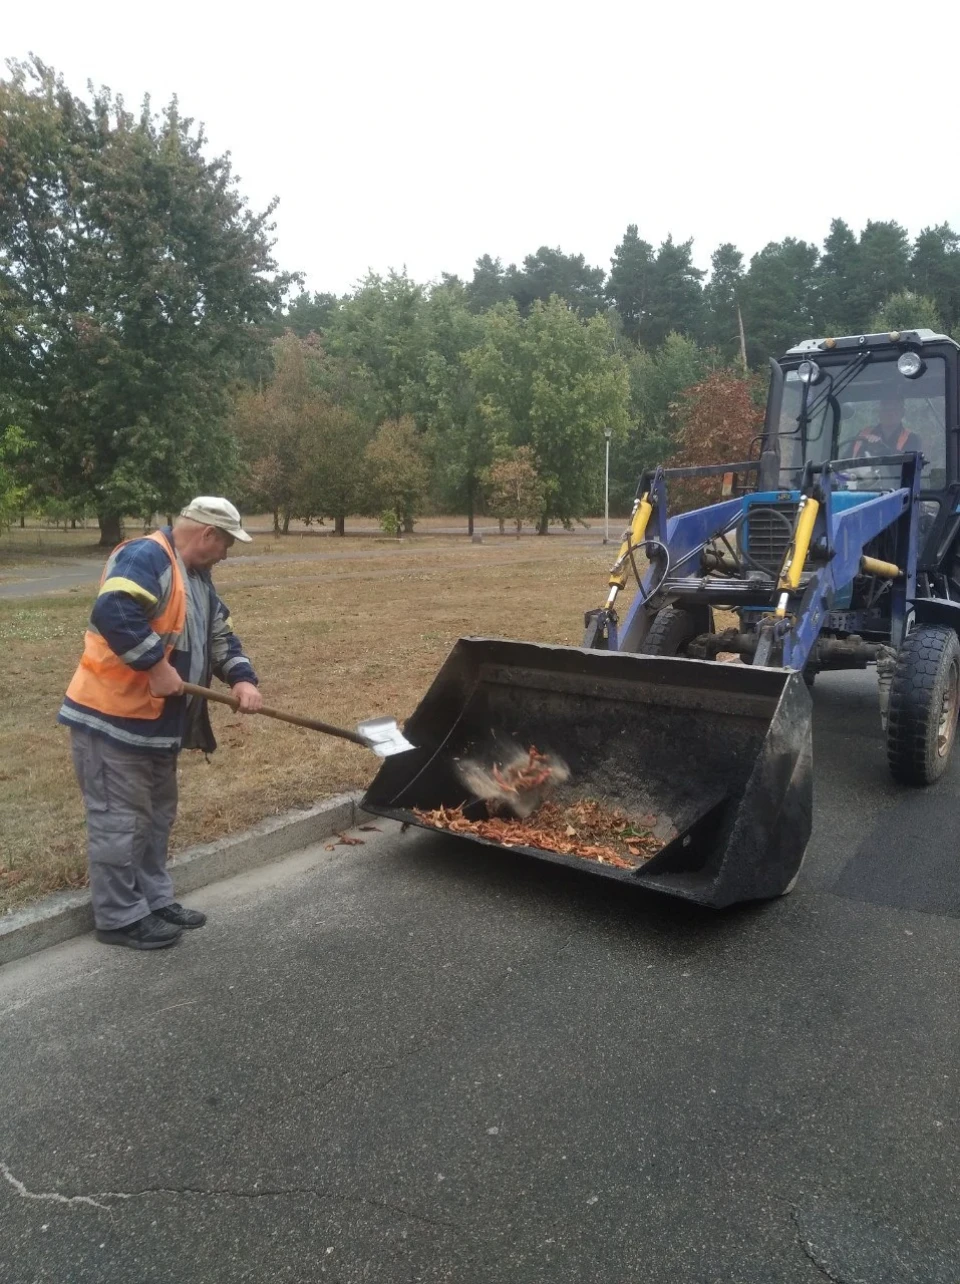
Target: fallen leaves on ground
(586, 829)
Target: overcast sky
(426, 134)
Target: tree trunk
(470, 507)
(408, 525)
(339, 526)
(73, 523)
(276, 521)
(23, 519)
(500, 522)
(286, 523)
(111, 529)
(519, 522)
(543, 525)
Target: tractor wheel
(924, 700)
(671, 630)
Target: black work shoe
(180, 916)
(149, 933)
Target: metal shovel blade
(384, 736)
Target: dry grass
(340, 638)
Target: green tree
(378, 326)
(883, 269)
(935, 271)
(551, 272)
(552, 381)
(906, 311)
(722, 298)
(629, 283)
(490, 284)
(309, 313)
(838, 275)
(457, 437)
(399, 475)
(657, 381)
(137, 276)
(781, 298)
(335, 480)
(675, 300)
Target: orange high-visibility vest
(873, 437)
(102, 680)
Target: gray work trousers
(131, 801)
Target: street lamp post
(608, 433)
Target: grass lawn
(359, 631)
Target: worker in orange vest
(157, 622)
(890, 436)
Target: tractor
(834, 545)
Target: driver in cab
(889, 437)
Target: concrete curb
(61, 915)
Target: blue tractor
(836, 546)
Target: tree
(138, 275)
(657, 381)
(552, 381)
(717, 420)
(838, 274)
(906, 311)
(935, 271)
(490, 284)
(675, 299)
(883, 269)
(781, 304)
(457, 437)
(551, 272)
(629, 283)
(721, 298)
(13, 493)
(399, 473)
(278, 428)
(514, 490)
(335, 481)
(378, 327)
(309, 313)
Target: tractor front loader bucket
(720, 754)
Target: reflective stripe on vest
(104, 681)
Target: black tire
(671, 630)
(924, 699)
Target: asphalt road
(413, 1060)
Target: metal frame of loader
(905, 620)
(646, 713)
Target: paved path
(415, 1061)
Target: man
(157, 622)
(890, 437)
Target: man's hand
(251, 701)
(164, 679)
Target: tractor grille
(767, 536)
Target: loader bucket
(721, 754)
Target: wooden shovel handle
(312, 724)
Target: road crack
(216, 1192)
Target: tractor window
(878, 412)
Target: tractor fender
(937, 610)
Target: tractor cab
(863, 397)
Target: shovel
(382, 735)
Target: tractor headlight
(910, 364)
(808, 372)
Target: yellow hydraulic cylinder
(873, 566)
(797, 552)
(638, 528)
